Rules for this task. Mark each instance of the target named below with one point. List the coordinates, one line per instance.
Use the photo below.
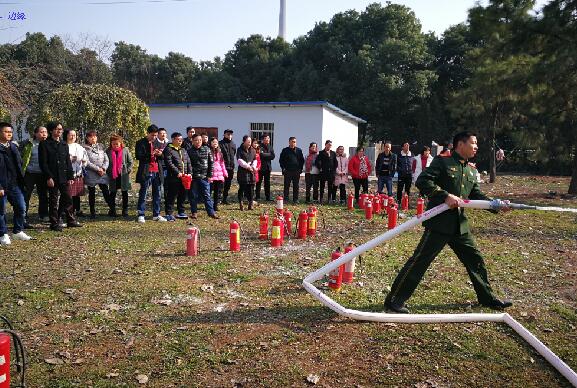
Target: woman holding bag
(79, 160)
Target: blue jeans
(15, 196)
(154, 180)
(200, 190)
(381, 181)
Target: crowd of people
(190, 167)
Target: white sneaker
(5, 240)
(159, 218)
(141, 219)
(21, 236)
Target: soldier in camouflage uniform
(448, 179)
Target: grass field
(115, 301)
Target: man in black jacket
(201, 162)
(405, 169)
(385, 168)
(291, 162)
(56, 165)
(266, 156)
(176, 163)
(187, 143)
(327, 164)
(11, 186)
(149, 173)
(228, 149)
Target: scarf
(310, 160)
(363, 169)
(116, 156)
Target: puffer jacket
(176, 161)
(219, 173)
(201, 161)
(97, 159)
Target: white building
(308, 121)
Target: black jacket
(201, 162)
(291, 159)
(143, 155)
(266, 155)
(228, 149)
(243, 175)
(405, 165)
(326, 163)
(55, 160)
(176, 161)
(392, 164)
(10, 169)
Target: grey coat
(97, 159)
(127, 163)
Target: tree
(552, 38)
(377, 64)
(135, 70)
(106, 109)
(260, 67)
(494, 92)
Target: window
(210, 131)
(258, 130)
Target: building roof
(324, 104)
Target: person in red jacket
(360, 169)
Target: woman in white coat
(421, 161)
(342, 174)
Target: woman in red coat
(360, 169)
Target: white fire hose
(496, 204)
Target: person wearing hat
(449, 179)
(228, 149)
(327, 164)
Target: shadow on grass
(285, 316)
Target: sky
(201, 29)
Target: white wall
(306, 123)
(341, 131)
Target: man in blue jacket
(11, 186)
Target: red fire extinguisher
(276, 232)
(405, 202)
(420, 206)
(384, 200)
(393, 213)
(192, 241)
(349, 272)
(234, 236)
(302, 225)
(279, 205)
(368, 210)
(362, 200)
(263, 226)
(4, 360)
(336, 275)
(312, 221)
(19, 361)
(288, 222)
(351, 201)
(377, 204)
